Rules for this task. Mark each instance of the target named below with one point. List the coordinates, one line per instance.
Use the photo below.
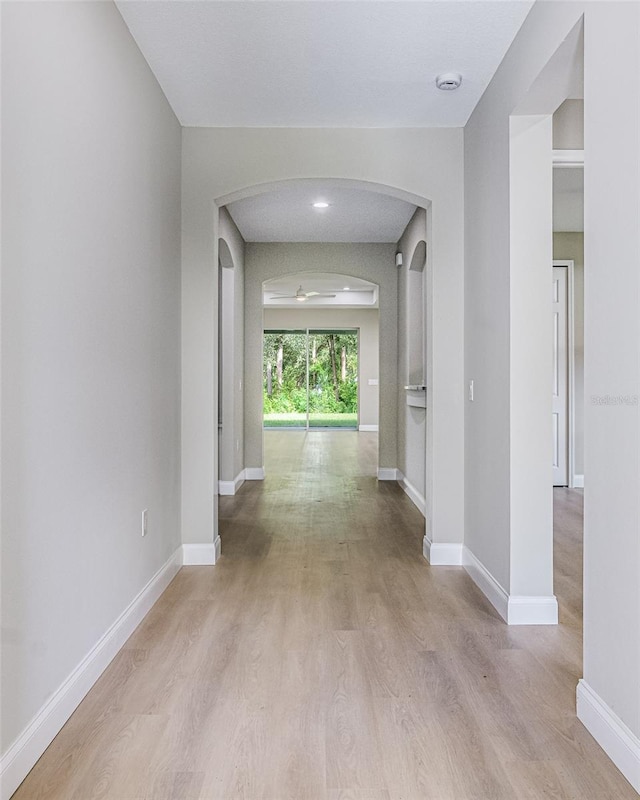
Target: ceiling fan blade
(300, 295)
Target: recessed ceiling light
(448, 81)
(321, 204)
(345, 288)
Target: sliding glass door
(310, 379)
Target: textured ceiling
(288, 215)
(313, 63)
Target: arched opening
(283, 260)
(320, 352)
(225, 259)
(377, 389)
(417, 313)
(253, 465)
(347, 183)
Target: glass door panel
(284, 373)
(333, 379)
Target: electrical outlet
(144, 522)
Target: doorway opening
(334, 269)
(568, 373)
(310, 379)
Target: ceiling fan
(300, 295)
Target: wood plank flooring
(323, 659)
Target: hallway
(323, 658)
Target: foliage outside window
(333, 373)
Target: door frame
(571, 411)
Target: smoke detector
(448, 81)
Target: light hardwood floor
(323, 659)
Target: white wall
(374, 262)
(530, 364)
(220, 165)
(232, 436)
(568, 126)
(489, 354)
(612, 340)
(413, 422)
(367, 323)
(90, 339)
(612, 360)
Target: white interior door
(560, 406)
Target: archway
(388, 379)
(445, 448)
(336, 322)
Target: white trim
(389, 474)
(614, 737)
(201, 555)
(514, 609)
(254, 474)
(532, 610)
(487, 584)
(414, 495)
(44, 727)
(229, 488)
(571, 345)
(578, 481)
(568, 158)
(372, 428)
(571, 370)
(442, 554)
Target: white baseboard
(487, 584)
(389, 474)
(578, 481)
(201, 555)
(229, 488)
(44, 727)
(254, 474)
(514, 609)
(371, 428)
(614, 737)
(414, 495)
(442, 554)
(530, 610)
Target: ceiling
(314, 63)
(288, 215)
(359, 294)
